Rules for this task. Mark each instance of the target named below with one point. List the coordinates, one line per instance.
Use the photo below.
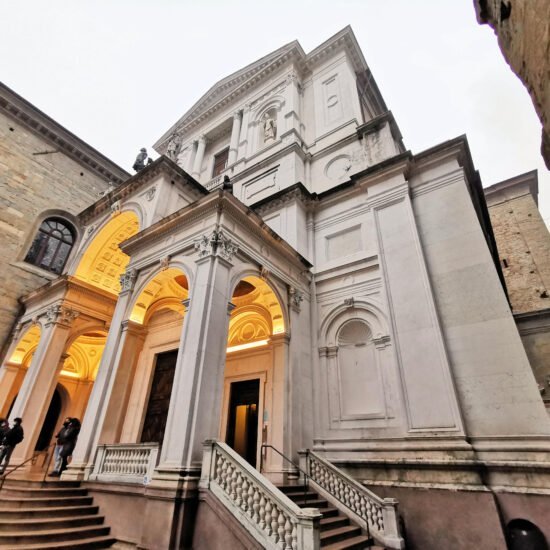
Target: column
(10, 376)
(195, 403)
(235, 132)
(199, 156)
(131, 343)
(243, 138)
(96, 410)
(190, 157)
(39, 384)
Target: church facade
(287, 276)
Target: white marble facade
(399, 342)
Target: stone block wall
(30, 184)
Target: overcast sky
(119, 73)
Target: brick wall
(29, 185)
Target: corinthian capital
(128, 279)
(61, 315)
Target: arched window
(52, 245)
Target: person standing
(12, 438)
(61, 440)
(71, 437)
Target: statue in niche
(270, 127)
(173, 148)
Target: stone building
(523, 32)
(46, 173)
(523, 243)
(287, 289)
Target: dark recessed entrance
(159, 398)
(52, 416)
(242, 424)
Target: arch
(276, 102)
(102, 262)
(52, 244)
(84, 356)
(26, 346)
(164, 289)
(361, 309)
(264, 294)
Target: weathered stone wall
(523, 244)
(523, 31)
(30, 184)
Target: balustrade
(267, 514)
(126, 463)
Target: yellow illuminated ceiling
(84, 356)
(104, 262)
(166, 290)
(26, 346)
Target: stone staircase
(338, 532)
(50, 515)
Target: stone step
(43, 492)
(37, 524)
(312, 503)
(333, 522)
(43, 502)
(16, 483)
(301, 495)
(329, 512)
(90, 543)
(13, 538)
(355, 543)
(339, 533)
(49, 512)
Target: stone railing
(378, 516)
(214, 182)
(125, 463)
(264, 511)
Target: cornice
(25, 113)
(162, 165)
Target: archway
(157, 316)
(50, 422)
(254, 370)
(15, 368)
(103, 262)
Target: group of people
(11, 436)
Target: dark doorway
(50, 422)
(159, 398)
(242, 424)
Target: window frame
(225, 152)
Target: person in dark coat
(12, 438)
(61, 440)
(4, 427)
(71, 437)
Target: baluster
(225, 467)
(239, 490)
(233, 483)
(256, 506)
(275, 522)
(281, 530)
(261, 512)
(288, 534)
(268, 509)
(294, 536)
(244, 494)
(250, 500)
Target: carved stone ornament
(61, 315)
(164, 263)
(128, 279)
(349, 302)
(217, 244)
(150, 193)
(264, 272)
(174, 147)
(90, 230)
(115, 208)
(296, 298)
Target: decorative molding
(115, 208)
(128, 280)
(164, 263)
(217, 244)
(380, 342)
(60, 315)
(150, 193)
(349, 302)
(264, 273)
(296, 298)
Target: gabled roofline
(143, 177)
(214, 98)
(25, 113)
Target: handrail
(368, 506)
(268, 514)
(33, 457)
